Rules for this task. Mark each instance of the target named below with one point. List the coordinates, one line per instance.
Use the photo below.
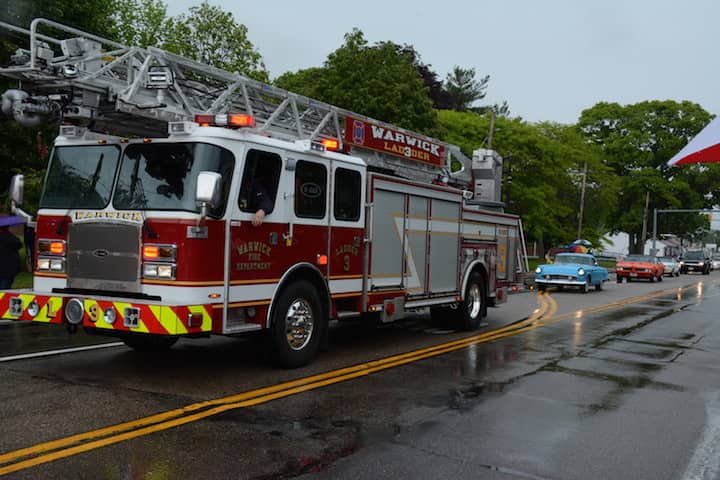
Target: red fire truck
(181, 200)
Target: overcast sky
(549, 59)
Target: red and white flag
(704, 148)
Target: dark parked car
(696, 261)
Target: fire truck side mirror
(16, 189)
(207, 191)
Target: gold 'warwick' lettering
(127, 216)
(254, 247)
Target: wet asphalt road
(621, 383)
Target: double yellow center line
(83, 442)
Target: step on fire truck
(148, 229)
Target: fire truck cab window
(346, 204)
(162, 176)
(260, 182)
(310, 189)
(80, 177)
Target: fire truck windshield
(162, 176)
(80, 177)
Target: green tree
(210, 35)
(376, 81)
(141, 23)
(464, 88)
(440, 97)
(637, 141)
(303, 82)
(544, 161)
(88, 15)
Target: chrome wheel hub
(299, 324)
(474, 300)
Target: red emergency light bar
(235, 120)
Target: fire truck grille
(104, 257)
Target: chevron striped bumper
(108, 314)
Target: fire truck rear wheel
(470, 312)
(149, 343)
(298, 325)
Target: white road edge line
(49, 353)
(705, 463)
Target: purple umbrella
(10, 221)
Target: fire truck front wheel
(297, 325)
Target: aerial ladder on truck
(98, 89)
(108, 87)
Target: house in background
(618, 245)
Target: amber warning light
(331, 143)
(233, 120)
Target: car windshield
(80, 176)
(694, 255)
(162, 176)
(639, 258)
(574, 259)
(667, 259)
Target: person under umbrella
(9, 257)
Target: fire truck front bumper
(105, 313)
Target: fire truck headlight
(51, 264)
(57, 264)
(33, 309)
(109, 315)
(74, 311)
(150, 270)
(166, 271)
(159, 270)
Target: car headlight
(538, 270)
(581, 271)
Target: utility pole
(645, 219)
(582, 202)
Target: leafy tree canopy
(377, 81)
(464, 88)
(637, 141)
(141, 23)
(543, 163)
(210, 35)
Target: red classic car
(639, 266)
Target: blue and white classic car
(579, 270)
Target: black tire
(542, 288)
(149, 343)
(677, 274)
(652, 279)
(619, 279)
(470, 311)
(586, 288)
(660, 278)
(297, 325)
(599, 287)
